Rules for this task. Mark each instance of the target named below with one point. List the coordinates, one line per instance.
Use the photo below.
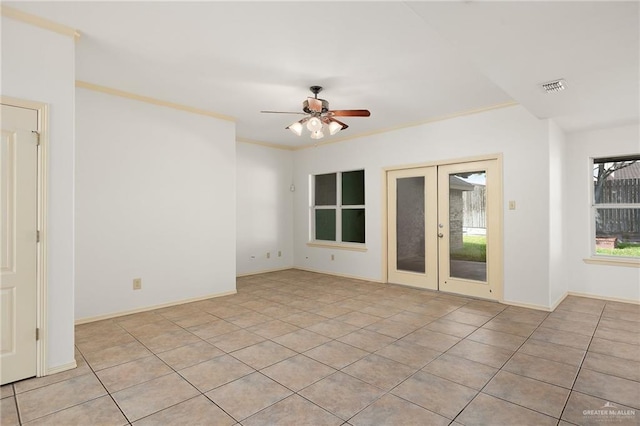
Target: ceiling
(407, 62)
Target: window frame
(594, 256)
(338, 208)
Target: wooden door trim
(41, 214)
(444, 162)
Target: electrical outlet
(137, 283)
(279, 253)
(268, 255)
(333, 257)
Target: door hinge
(37, 334)
(37, 137)
(37, 236)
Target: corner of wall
(558, 285)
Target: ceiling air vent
(554, 86)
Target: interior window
(338, 207)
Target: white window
(616, 206)
(338, 212)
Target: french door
(444, 228)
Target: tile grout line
(201, 393)
(146, 381)
(586, 352)
(263, 303)
(341, 370)
(15, 402)
(500, 369)
(420, 369)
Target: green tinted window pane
(353, 225)
(326, 224)
(325, 190)
(353, 188)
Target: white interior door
(412, 214)
(469, 221)
(444, 228)
(18, 188)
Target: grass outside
(474, 248)
(623, 249)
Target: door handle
(440, 235)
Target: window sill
(339, 246)
(613, 261)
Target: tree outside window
(616, 206)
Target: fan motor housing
(325, 107)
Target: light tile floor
(300, 348)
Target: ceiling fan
(320, 117)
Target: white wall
(597, 280)
(155, 199)
(520, 137)
(264, 208)
(38, 65)
(558, 284)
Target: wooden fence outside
(475, 207)
(619, 222)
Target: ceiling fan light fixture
(319, 118)
(334, 127)
(296, 128)
(314, 124)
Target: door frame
(41, 215)
(498, 224)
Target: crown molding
(37, 21)
(149, 100)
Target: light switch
(512, 205)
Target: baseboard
(61, 368)
(335, 274)
(151, 308)
(528, 306)
(610, 299)
(559, 301)
(264, 271)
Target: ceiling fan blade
(282, 112)
(315, 105)
(349, 113)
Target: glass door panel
(412, 241)
(467, 225)
(410, 224)
(469, 230)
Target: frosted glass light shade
(296, 128)
(334, 127)
(317, 134)
(314, 124)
